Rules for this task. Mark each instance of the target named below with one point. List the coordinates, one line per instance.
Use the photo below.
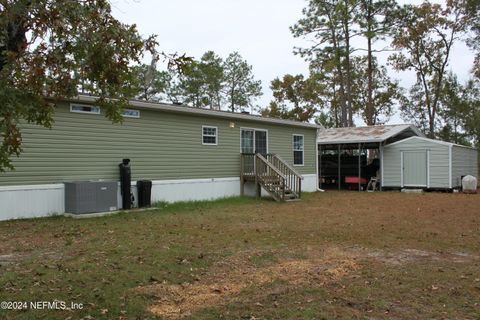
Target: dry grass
(330, 256)
(228, 278)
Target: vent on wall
(83, 108)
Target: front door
(254, 141)
(415, 168)
(261, 142)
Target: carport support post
(319, 157)
(359, 168)
(380, 146)
(338, 178)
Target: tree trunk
(338, 65)
(232, 104)
(370, 112)
(347, 65)
(15, 40)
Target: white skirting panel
(34, 201)
(46, 200)
(195, 189)
(310, 183)
(31, 201)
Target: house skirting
(33, 201)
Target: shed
(419, 162)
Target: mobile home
(188, 153)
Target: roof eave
(351, 141)
(198, 111)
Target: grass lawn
(337, 255)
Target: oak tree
(49, 49)
(425, 35)
(295, 98)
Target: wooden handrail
(279, 178)
(293, 180)
(288, 166)
(270, 165)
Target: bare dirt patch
(8, 259)
(404, 256)
(229, 277)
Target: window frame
(72, 105)
(208, 135)
(295, 150)
(252, 129)
(130, 116)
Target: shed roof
(183, 109)
(445, 143)
(369, 134)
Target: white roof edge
(352, 141)
(199, 111)
(433, 141)
(417, 131)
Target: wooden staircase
(271, 173)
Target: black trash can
(144, 190)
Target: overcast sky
(257, 29)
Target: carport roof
(370, 134)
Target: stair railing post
(242, 175)
(257, 169)
(299, 187)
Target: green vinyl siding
(161, 145)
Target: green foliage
(241, 89)
(295, 98)
(214, 83)
(325, 120)
(425, 34)
(452, 111)
(375, 21)
(328, 23)
(472, 9)
(412, 108)
(471, 110)
(151, 84)
(383, 92)
(51, 49)
(214, 75)
(331, 25)
(202, 82)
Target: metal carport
(356, 140)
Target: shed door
(415, 168)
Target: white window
(298, 150)
(209, 135)
(130, 113)
(83, 108)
